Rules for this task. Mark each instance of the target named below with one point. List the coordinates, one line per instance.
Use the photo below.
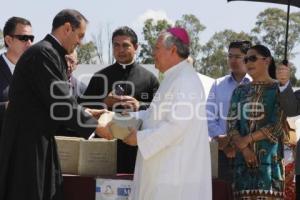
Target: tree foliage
(214, 52)
(293, 77)
(270, 30)
(86, 53)
(151, 31)
(1, 40)
(211, 58)
(193, 26)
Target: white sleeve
(169, 130)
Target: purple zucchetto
(181, 34)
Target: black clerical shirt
(137, 82)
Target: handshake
(115, 125)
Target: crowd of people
(244, 111)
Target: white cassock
(173, 161)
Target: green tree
(193, 26)
(86, 53)
(270, 30)
(293, 77)
(1, 40)
(151, 31)
(214, 52)
(297, 83)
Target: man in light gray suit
(290, 103)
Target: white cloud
(154, 14)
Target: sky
(216, 15)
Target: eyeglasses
(252, 58)
(24, 38)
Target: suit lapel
(4, 69)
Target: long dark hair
(265, 52)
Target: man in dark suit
(39, 103)
(18, 37)
(125, 84)
(290, 103)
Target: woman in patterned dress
(255, 129)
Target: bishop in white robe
(173, 160)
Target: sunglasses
(24, 38)
(253, 58)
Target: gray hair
(183, 50)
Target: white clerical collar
(176, 67)
(10, 64)
(125, 65)
(55, 39)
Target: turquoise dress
(255, 106)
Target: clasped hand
(102, 131)
(127, 102)
(241, 142)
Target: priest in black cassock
(123, 84)
(39, 102)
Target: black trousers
(225, 171)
